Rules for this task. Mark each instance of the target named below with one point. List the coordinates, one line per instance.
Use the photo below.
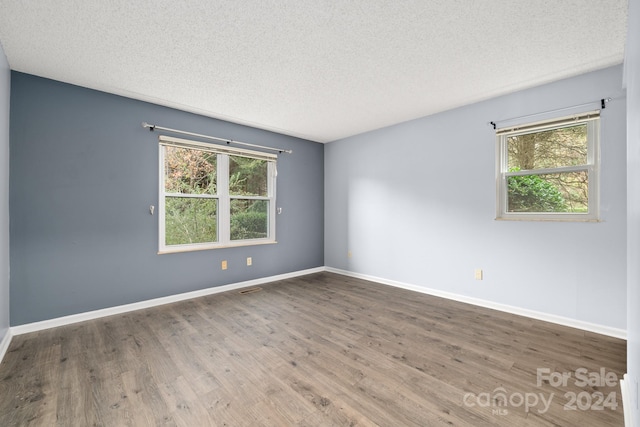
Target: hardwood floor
(318, 350)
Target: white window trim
(223, 196)
(592, 119)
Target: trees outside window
(248, 189)
(210, 197)
(549, 171)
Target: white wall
(632, 74)
(415, 203)
(5, 78)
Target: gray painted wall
(5, 86)
(632, 64)
(83, 175)
(415, 203)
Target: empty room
(319, 213)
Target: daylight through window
(549, 170)
(213, 196)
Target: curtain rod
(602, 102)
(227, 141)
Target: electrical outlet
(249, 260)
(478, 274)
(224, 265)
(349, 254)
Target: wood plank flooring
(319, 350)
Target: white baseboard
(560, 320)
(4, 344)
(81, 317)
(96, 314)
(628, 396)
(626, 400)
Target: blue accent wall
(83, 175)
(5, 88)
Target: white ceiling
(316, 69)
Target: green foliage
(532, 193)
(248, 219)
(195, 219)
(249, 225)
(247, 176)
(549, 149)
(190, 220)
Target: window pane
(247, 177)
(189, 171)
(190, 220)
(548, 149)
(560, 192)
(249, 219)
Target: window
(549, 170)
(214, 196)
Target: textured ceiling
(317, 69)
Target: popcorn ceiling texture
(321, 70)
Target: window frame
(592, 167)
(223, 213)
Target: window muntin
(214, 197)
(549, 171)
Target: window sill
(547, 219)
(193, 248)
